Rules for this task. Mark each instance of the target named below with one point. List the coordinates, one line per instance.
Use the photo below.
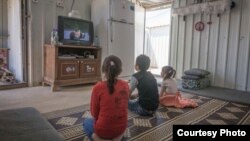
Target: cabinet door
(68, 69)
(89, 68)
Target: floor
(155, 71)
(222, 93)
(43, 99)
(46, 101)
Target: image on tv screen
(76, 30)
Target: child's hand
(134, 96)
(178, 94)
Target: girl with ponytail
(169, 94)
(109, 104)
(111, 68)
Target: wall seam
(216, 53)
(225, 69)
(238, 40)
(208, 43)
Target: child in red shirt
(109, 103)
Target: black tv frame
(61, 20)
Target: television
(73, 31)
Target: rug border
(67, 111)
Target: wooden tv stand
(70, 65)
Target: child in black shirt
(148, 97)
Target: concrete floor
(43, 99)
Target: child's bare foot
(194, 105)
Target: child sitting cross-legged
(169, 94)
(148, 97)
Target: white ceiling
(153, 3)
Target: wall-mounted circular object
(199, 26)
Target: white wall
(99, 16)
(222, 48)
(157, 45)
(157, 37)
(14, 40)
(43, 18)
(139, 29)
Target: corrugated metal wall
(222, 48)
(3, 24)
(157, 45)
(43, 19)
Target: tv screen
(74, 31)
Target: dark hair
(143, 62)
(112, 67)
(169, 71)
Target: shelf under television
(78, 46)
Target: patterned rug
(159, 127)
